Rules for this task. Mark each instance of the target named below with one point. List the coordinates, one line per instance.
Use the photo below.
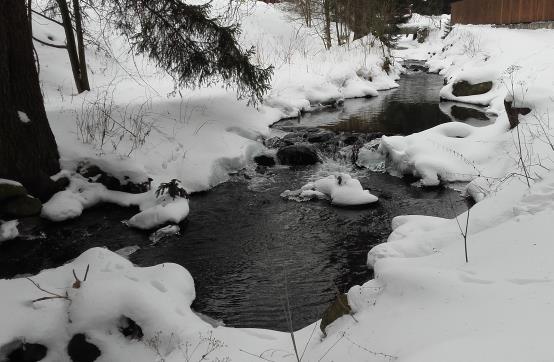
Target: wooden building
(502, 12)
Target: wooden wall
(502, 11)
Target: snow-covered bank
(426, 303)
(125, 313)
(197, 136)
(509, 65)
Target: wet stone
(17, 351)
(80, 350)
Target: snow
(341, 189)
(8, 230)
(9, 182)
(425, 302)
(114, 289)
(460, 152)
(198, 135)
(82, 194)
(23, 117)
(166, 210)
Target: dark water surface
(246, 247)
(412, 107)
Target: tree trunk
(80, 46)
(327, 11)
(28, 151)
(71, 46)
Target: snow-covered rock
(81, 194)
(166, 210)
(340, 189)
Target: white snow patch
(23, 117)
(8, 230)
(82, 194)
(9, 182)
(341, 189)
(166, 210)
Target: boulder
(514, 112)
(296, 137)
(464, 88)
(18, 351)
(130, 329)
(336, 310)
(96, 174)
(80, 350)
(276, 142)
(422, 35)
(350, 139)
(320, 135)
(21, 206)
(465, 113)
(264, 160)
(9, 190)
(297, 155)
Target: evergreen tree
(195, 49)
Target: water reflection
(413, 107)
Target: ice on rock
(341, 189)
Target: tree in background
(76, 51)
(195, 49)
(182, 39)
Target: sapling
(463, 232)
(172, 188)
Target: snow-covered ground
(425, 303)
(197, 135)
(519, 65)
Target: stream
(246, 247)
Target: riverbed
(247, 247)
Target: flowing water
(247, 247)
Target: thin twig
(53, 295)
(333, 346)
(255, 355)
(308, 342)
(50, 44)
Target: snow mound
(166, 210)
(449, 152)
(341, 189)
(156, 298)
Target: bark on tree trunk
(327, 11)
(71, 46)
(28, 151)
(80, 46)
